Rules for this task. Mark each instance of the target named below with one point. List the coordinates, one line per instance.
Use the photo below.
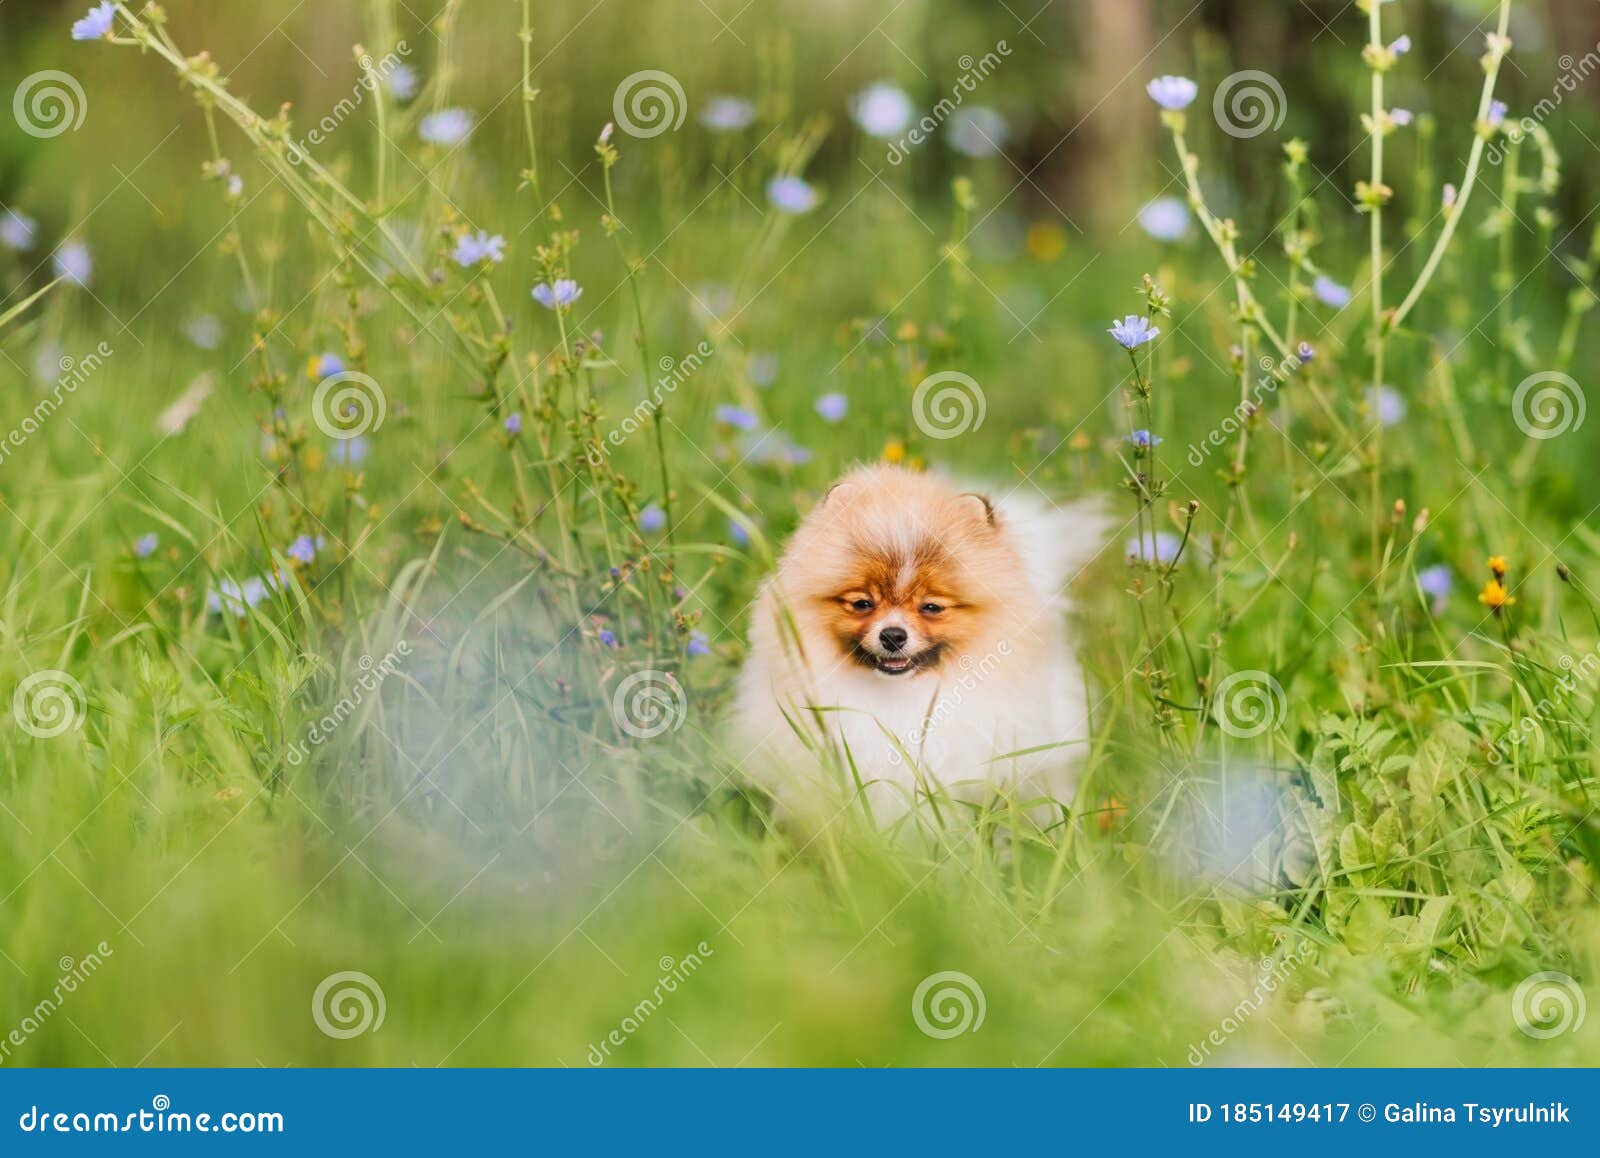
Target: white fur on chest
(953, 731)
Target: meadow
(387, 475)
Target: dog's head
(901, 573)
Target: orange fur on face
(902, 574)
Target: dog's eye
(862, 605)
(931, 609)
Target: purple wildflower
(1172, 92)
(476, 248)
(1330, 292)
(97, 24)
(833, 407)
(737, 417)
(558, 296)
(1133, 331)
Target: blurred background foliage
(520, 903)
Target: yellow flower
(1497, 566)
(894, 451)
(1495, 596)
(1047, 241)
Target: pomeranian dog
(914, 640)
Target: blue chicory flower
(239, 597)
(833, 407)
(1330, 292)
(350, 451)
(1436, 581)
(513, 424)
(1158, 546)
(145, 545)
(325, 366)
(97, 24)
(205, 331)
(1386, 403)
(792, 195)
(18, 230)
(558, 296)
(737, 417)
(476, 248)
(882, 110)
(1172, 92)
(794, 454)
(652, 519)
(72, 262)
(403, 82)
(698, 644)
(727, 114)
(1165, 219)
(1143, 438)
(1133, 331)
(445, 127)
(302, 550)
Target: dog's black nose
(892, 638)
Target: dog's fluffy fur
(917, 632)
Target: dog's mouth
(898, 663)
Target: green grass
(513, 870)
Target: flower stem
(1453, 216)
(1379, 117)
(1220, 234)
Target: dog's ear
(979, 505)
(840, 490)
